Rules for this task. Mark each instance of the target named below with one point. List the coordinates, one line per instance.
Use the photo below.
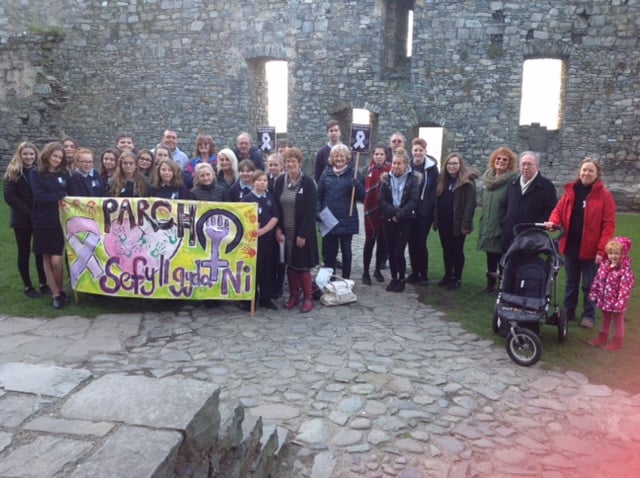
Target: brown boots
(294, 288)
(307, 290)
(300, 281)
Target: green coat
(493, 194)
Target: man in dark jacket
(530, 197)
(245, 150)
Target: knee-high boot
(294, 288)
(307, 289)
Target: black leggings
(396, 237)
(23, 241)
(452, 253)
(376, 240)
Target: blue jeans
(574, 268)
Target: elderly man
(529, 198)
(397, 140)
(245, 150)
(170, 141)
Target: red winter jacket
(599, 219)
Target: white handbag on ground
(338, 291)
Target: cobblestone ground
(381, 388)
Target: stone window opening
(434, 135)
(398, 38)
(277, 78)
(541, 96)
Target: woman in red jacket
(587, 212)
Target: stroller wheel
(563, 327)
(524, 346)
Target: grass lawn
(474, 311)
(471, 308)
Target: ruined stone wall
(91, 68)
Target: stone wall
(91, 68)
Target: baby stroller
(528, 272)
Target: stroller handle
(518, 228)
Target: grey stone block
(181, 404)
(14, 409)
(45, 456)
(134, 452)
(70, 427)
(47, 380)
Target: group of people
(403, 192)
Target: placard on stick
(360, 138)
(266, 136)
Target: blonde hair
(337, 149)
(613, 245)
(199, 168)
(16, 167)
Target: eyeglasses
(502, 158)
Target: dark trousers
(23, 241)
(574, 268)
(452, 253)
(376, 239)
(265, 265)
(279, 270)
(396, 237)
(331, 243)
(493, 260)
(418, 252)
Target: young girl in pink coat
(611, 290)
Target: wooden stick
(353, 188)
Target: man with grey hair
(397, 140)
(245, 150)
(530, 197)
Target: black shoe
(31, 293)
(399, 286)
(269, 305)
(412, 279)
(366, 278)
(58, 302)
(338, 265)
(378, 276)
(455, 284)
(44, 289)
(277, 294)
(444, 282)
(391, 286)
(65, 297)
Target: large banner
(161, 248)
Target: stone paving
(384, 387)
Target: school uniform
(265, 260)
(90, 184)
